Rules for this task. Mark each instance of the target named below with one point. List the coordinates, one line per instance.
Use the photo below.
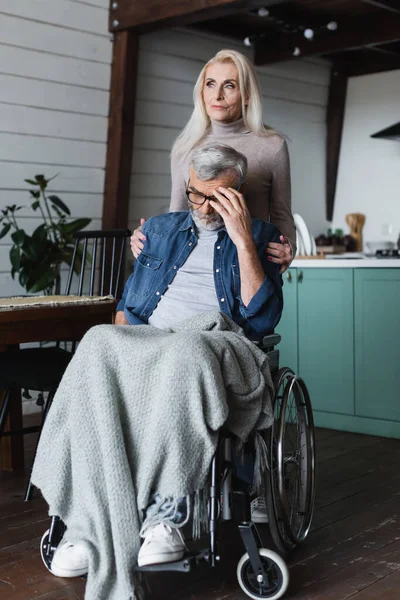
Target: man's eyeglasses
(198, 198)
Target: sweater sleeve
(280, 200)
(178, 190)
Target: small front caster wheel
(45, 552)
(276, 579)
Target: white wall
(294, 96)
(369, 169)
(55, 61)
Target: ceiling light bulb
(247, 41)
(308, 34)
(296, 51)
(263, 12)
(332, 26)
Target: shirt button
(175, 267)
(218, 247)
(222, 299)
(148, 264)
(190, 244)
(157, 293)
(217, 270)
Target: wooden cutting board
(356, 222)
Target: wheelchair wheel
(254, 586)
(50, 540)
(291, 489)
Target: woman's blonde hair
(199, 122)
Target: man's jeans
(177, 513)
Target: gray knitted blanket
(138, 411)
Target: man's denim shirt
(170, 238)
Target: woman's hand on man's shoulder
(137, 239)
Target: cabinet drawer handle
(300, 276)
(289, 276)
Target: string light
(263, 12)
(308, 32)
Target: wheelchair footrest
(187, 564)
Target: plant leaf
(76, 225)
(31, 181)
(18, 237)
(60, 204)
(15, 257)
(41, 279)
(40, 233)
(35, 205)
(5, 230)
(34, 193)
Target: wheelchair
(288, 486)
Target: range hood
(390, 133)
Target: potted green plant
(37, 258)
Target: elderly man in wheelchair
(142, 412)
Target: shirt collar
(187, 223)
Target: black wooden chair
(41, 369)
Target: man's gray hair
(213, 160)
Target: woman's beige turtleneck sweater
(267, 189)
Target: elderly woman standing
(228, 110)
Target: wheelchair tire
(277, 571)
(46, 558)
(47, 546)
(291, 490)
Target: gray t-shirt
(192, 290)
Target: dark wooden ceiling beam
(391, 5)
(148, 15)
(354, 33)
(365, 62)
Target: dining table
(28, 319)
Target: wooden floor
(353, 550)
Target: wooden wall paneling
(51, 95)
(36, 121)
(50, 151)
(64, 13)
(48, 38)
(335, 118)
(36, 65)
(69, 179)
(120, 129)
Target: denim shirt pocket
(236, 281)
(145, 272)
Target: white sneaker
(161, 544)
(259, 510)
(69, 560)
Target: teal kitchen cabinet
(287, 327)
(341, 333)
(326, 337)
(377, 339)
(317, 332)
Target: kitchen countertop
(350, 261)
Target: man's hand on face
(233, 209)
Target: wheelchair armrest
(269, 341)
